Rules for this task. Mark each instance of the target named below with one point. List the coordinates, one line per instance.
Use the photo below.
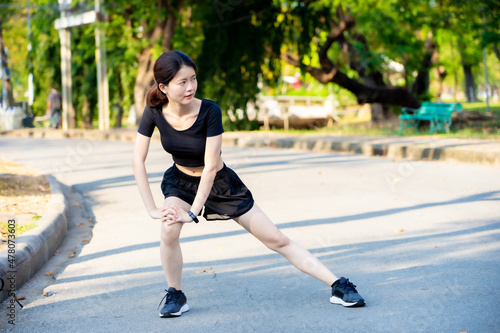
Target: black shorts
(228, 199)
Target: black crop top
(187, 146)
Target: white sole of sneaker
(336, 300)
(184, 308)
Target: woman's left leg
(259, 225)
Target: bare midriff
(197, 171)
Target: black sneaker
(175, 303)
(345, 293)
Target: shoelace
(348, 286)
(170, 298)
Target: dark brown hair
(165, 68)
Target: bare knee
(277, 241)
(170, 234)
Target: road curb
(476, 151)
(447, 150)
(35, 247)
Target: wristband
(191, 215)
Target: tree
(136, 36)
(334, 48)
(46, 54)
(157, 38)
(333, 43)
(6, 84)
(233, 56)
(476, 22)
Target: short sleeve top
(186, 146)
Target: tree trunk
(496, 50)
(420, 86)
(470, 87)
(7, 84)
(377, 112)
(119, 88)
(440, 74)
(143, 82)
(370, 76)
(163, 30)
(86, 114)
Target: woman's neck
(180, 109)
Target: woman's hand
(174, 214)
(159, 213)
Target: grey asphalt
(420, 239)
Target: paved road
(421, 240)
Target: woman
(191, 130)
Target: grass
(481, 107)
(19, 229)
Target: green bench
(438, 115)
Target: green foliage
(46, 54)
(15, 39)
(229, 41)
(232, 54)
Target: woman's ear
(162, 88)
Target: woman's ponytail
(156, 98)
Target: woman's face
(183, 86)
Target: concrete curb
(425, 148)
(485, 152)
(118, 134)
(35, 247)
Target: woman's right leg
(170, 248)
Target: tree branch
(345, 22)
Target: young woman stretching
(191, 130)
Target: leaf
(205, 271)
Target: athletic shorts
(228, 199)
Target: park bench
(438, 115)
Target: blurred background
(328, 66)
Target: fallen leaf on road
(76, 204)
(85, 240)
(400, 230)
(205, 271)
(49, 273)
(72, 255)
(21, 298)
